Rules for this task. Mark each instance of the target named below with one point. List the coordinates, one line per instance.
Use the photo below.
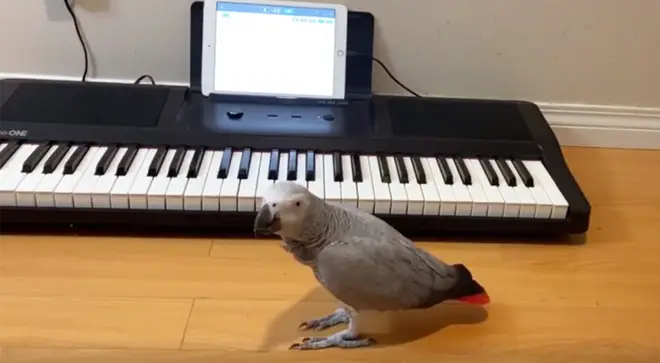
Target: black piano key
(31, 162)
(244, 166)
(507, 173)
(75, 159)
(55, 158)
(126, 161)
(196, 163)
(157, 162)
(384, 169)
(177, 161)
(292, 165)
(104, 163)
(445, 171)
(8, 151)
(523, 173)
(401, 169)
(491, 175)
(337, 167)
(356, 168)
(224, 163)
(418, 169)
(463, 172)
(310, 166)
(274, 164)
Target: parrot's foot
(339, 316)
(345, 339)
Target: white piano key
(511, 200)
(316, 186)
(82, 193)
(119, 194)
(192, 196)
(349, 196)
(543, 202)
(211, 191)
(263, 182)
(479, 200)
(397, 190)
(159, 183)
(382, 196)
(365, 188)
(44, 192)
(540, 174)
(332, 188)
(103, 187)
(282, 168)
(464, 204)
(2, 146)
(137, 196)
(248, 189)
(63, 194)
(301, 170)
(528, 204)
(12, 174)
(432, 200)
(229, 190)
(26, 191)
(416, 201)
(492, 193)
(175, 190)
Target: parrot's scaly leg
(346, 339)
(339, 316)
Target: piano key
(160, 182)
(310, 166)
(383, 169)
(292, 165)
(489, 172)
(82, 193)
(174, 195)
(103, 188)
(397, 190)
(282, 167)
(317, 186)
(523, 173)
(137, 196)
(332, 187)
(264, 180)
(82, 161)
(8, 151)
(106, 159)
(356, 168)
(44, 192)
(445, 172)
(244, 166)
(126, 161)
(229, 191)
(349, 196)
(479, 199)
(225, 163)
(492, 193)
(273, 165)
(201, 163)
(300, 171)
(248, 188)
(382, 196)
(157, 162)
(435, 181)
(25, 191)
(55, 158)
(413, 190)
(176, 164)
(401, 169)
(543, 202)
(213, 185)
(432, 200)
(11, 174)
(463, 197)
(528, 204)
(511, 200)
(338, 170)
(506, 172)
(463, 173)
(418, 170)
(119, 195)
(35, 158)
(365, 188)
(541, 176)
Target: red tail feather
(477, 299)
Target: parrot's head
(283, 210)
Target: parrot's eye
(274, 204)
(297, 204)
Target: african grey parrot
(360, 259)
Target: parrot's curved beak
(266, 222)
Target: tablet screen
(265, 49)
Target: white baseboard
(574, 124)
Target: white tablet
(285, 49)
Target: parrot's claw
(339, 316)
(344, 339)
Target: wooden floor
(174, 300)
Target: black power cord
(143, 77)
(382, 65)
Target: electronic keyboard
(428, 166)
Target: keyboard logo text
(14, 133)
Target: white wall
(600, 52)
